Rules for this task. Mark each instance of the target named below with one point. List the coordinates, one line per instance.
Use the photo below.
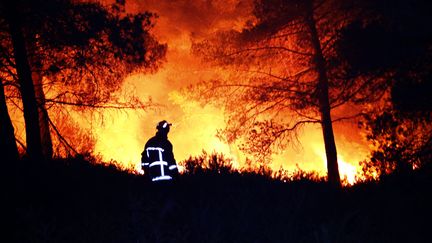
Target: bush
(214, 163)
(76, 201)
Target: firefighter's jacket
(157, 159)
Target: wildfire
(121, 137)
(194, 130)
(194, 127)
(347, 171)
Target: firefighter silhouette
(157, 159)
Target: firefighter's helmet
(163, 125)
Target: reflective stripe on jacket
(158, 160)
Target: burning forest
(334, 91)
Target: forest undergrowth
(74, 200)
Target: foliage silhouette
(209, 164)
(394, 43)
(67, 55)
(284, 72)
(73, 200)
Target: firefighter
(157, 159)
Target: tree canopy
(78, 54)
(291, 74)
(395, 39)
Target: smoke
(196, 18)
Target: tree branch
(349, 117)
(269, 48)
(119, 107)
(62, 139)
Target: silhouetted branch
(62, 139)
(281, 48)
(21, 143)
(118, 106)
(349, 117)
(291, 79)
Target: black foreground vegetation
(77, 201)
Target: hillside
(75, 201)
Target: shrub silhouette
(72, 200)
(208, 163)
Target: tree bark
(31, 118)
(46, 141)
(7, 137)
(324, 103)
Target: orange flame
(122, 137)
(194, 126)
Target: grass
(72, 200)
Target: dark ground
(74, 201)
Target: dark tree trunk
(324, 104)
(31, 118)
(47, 147)
(7, 137)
